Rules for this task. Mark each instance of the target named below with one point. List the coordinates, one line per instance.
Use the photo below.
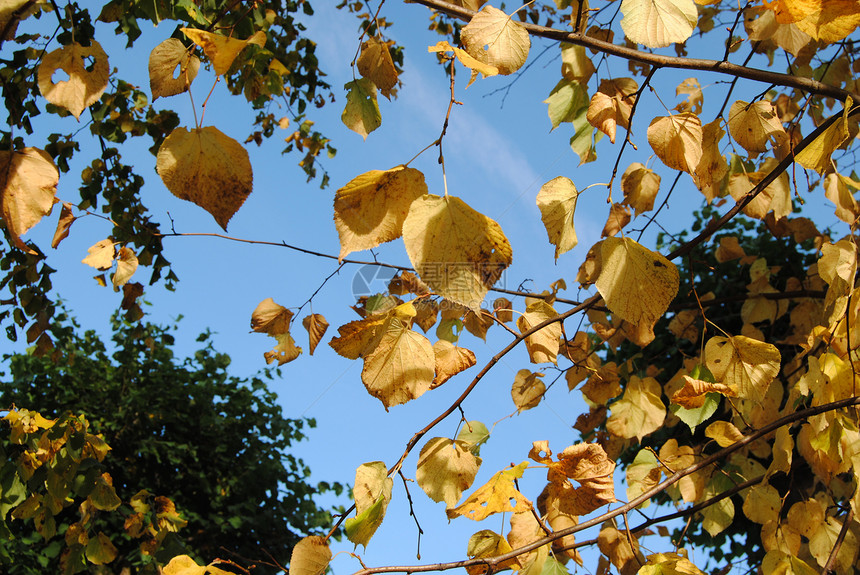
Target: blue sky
(497, 157)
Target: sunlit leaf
(527, 390)
(745, 364)
(542, 346)
(375, 64)
(316, 326)
(310, 556)
(498, 495)
(100, 255)
(402, 366)
(492, 37)
(450, 360)
(754, 126)
(361, 114)
(28, 184)
(163, 61)
(446, 468)
(677, 140)
(658, 23)
(640, 410)
(85, 83)
(556, 201)
(222, 50)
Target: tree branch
(719, 66)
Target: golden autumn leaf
(498, 495)
(458, 252)
(712, 166)
(640, 410)
(786, 35)
(163, 61)
(669, 564)
(446, 468)
(694, 97)
(475, 65)
(693, 394)
(126, 265)
(370, 209)
(63, 225)
(637, 284)
(643, 474)
(658, 23)
(527, 390)
(830, 20)
(640, 186)
(542, 346)
(556, 201)
(100, 255)
(585, 463)
(486, 543)
(372, 493)
(619, 216)
(358, 338)
(724, 433)
(28, 184)
(616, 546)
(401, 367)
(840, 190)
(816, 156)
(85, 84)
(576, 65)
(755, 126)
(611, 105)
(775, 197)
(310, 556)
(285, 351)
(677, 140)
(492, 37)
(376, 65)
(762, 503)
(450, 360)
(222, 50)
(271, 318)
(316, 326)
(184, 565)
(208, 168)
(729, 249)
(745, 364)
(361, 114)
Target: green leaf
(361, 528)
(474, 434)
(697, 416)
(361, 114)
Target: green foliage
(214, 444)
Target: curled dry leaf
(28, 184)
(271, 318)
(640, 186)
(370, 209)
(498, 495)
(361, 114)
(527, 390)
(476, 66)
(310, 556)
(450, 360)
(126, 265)
(316, 325)
(222, 50)
(542, 346)
(556, 201)
(458, 252)
(694, 392)
(376, 65)
(84, 86)
(101, 255)
(446, 468)
(63, 225)
(206, 167)
(492, 37)
(619, 216)
(163, 61)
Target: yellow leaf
(372, 492)
(640, 186)
(358, 338)
(446, 468)
(786, 35)
(222, 50)
(458, 252)
(527, 390)
(762, 504)
(724, 433)
(616, 546)
(619, 216)
(776, 562)
(775, 197)
(361, 114)
(208, 168)
(745, 364)
(677, 140)
(285, 352)
(271, 318)
(369, 210)
(587, 464)
(316, 325)
(450, 360)
(375, 64)
(693, 91)
(492, 37)
(542, 345)
(669, 564)
(401, 367)
(101, 255)
(838, 261)
(712, 167)
(576, 66)
(28, 184)
(63, 225)
(693, 394)
(498, 495)
(831, 20)
(816, 156)
(184, 565)
(755, 125)
(84, 86)
(163, 61)
(637, 284)
(642, 474)
(640, 410)
(840, 190)
(126, 265)
(729, 249)
(611, 105)
(476, 66)
(556, 201)
(310, 556)
(486, 543)
(100, 550)
(658, 23)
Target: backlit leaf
(63, 225)
(695, 391)
(527, 390)
(446, 468)
(28, 184)
(476, 66)
(222, 50)
(473, 434)
(486, 543)
(754, 126)
(208, 168)
(184, 565)
(372, 492)
(450, 360)
(556, 201)
(83, 87)
(745, 364)
(658, 23)
(677, 140)
(492, 37)
(640, 410)
(668, 564)
(126, 265)
(310, 556)
(458, 252)
(361, 114)
(271, 318)
(375, 64)
(163, 61)
(498, 495)
(816, 156)
(100, 255)
(402, 366)
(640, 186)
(542, 346)
(724, 433)
(370, 209)
(316, 325)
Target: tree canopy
(182, 431)
(716, 367)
